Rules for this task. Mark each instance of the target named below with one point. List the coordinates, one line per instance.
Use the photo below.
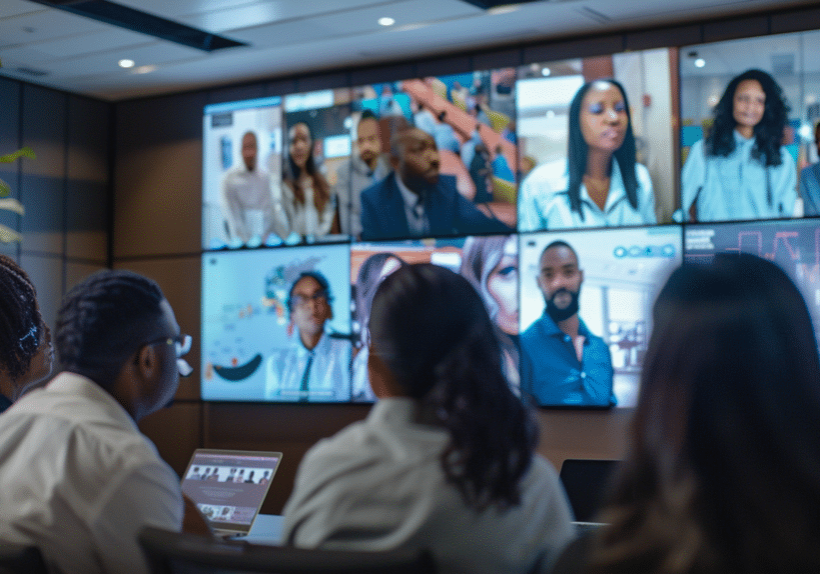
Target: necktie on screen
(303, 386)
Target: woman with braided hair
(25, 341)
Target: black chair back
(180, 553)
(15, 559)
(586, 482)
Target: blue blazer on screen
(447, 211)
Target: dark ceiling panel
(143, 22)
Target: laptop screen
(229, 486)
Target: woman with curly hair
(25, 353)
(740, 171)
(445, 460)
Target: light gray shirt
(378, 484)
(80, 481)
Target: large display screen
(556, 188)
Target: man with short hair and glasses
(316, 367)
(79, 479)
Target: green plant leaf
(11, 204)
(8, 235)
(23, 152)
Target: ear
(581, 273)
(147, 361)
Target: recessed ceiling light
(126, 63)
(386, 21)
(545, 72)
(700, 62)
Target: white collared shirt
(80, 481)
(328, 377)
(544, 202)
(417, 222)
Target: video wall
(566, 192)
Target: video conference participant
(446, 458)
(723, 465)
(490, 264)
(248, 204)
(371, 273)
(603, 184)
(25, 341)
(306, 194)
(79, 479)
(741, 171)
(316, 367)
(415, 200)
(562, 362)
(367, 166)
(810, 181)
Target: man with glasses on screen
(79, 479)
(562, 362)
(316, 367)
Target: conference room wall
(66, 190)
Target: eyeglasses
(302, 300)
(182, 344)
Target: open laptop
(229, 486)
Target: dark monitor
(586, 482)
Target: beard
(559, 314)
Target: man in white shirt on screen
(316, 367)
(79, 479)
(249, 206)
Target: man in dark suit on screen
(415, 200)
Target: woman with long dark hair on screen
(602, 184)
(445, 460)
(307, 198)
(723, 468)
(741, 170)
(26, 353)
(490, 264)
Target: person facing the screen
(810, 181)
(367, 166)
(722, 472)
(445, 460)
(415, 200)
(79, 479)
(740, 171)
(563, 363)
(306, 194)
(249, 206)
(603, 184)
(316, 367)
(26, 354)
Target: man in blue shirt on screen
(416, 201)
(562, 362)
